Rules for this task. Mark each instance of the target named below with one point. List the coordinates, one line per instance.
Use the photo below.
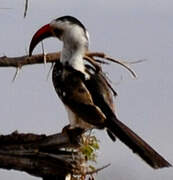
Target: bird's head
(67, 29)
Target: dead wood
(43, 156)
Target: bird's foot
(73, 134)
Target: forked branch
(91, 57)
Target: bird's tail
(135, 143)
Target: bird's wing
(98, 85)
(76, 96)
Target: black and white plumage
(85, 94)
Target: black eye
(58, 32)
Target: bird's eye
(58, 32)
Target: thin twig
(104, 56)
(44, 54)
(93, 62)
(50, 69)
(122, 64)
(97, 170)
(16, 74)
(26, 8)
(135, 62)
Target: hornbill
(85, 92)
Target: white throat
(73, 57)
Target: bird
(84, 91)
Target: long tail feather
(136, 144)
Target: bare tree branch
(18, 62)
(40, 155)
(26, 60)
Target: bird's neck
(72, 55)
